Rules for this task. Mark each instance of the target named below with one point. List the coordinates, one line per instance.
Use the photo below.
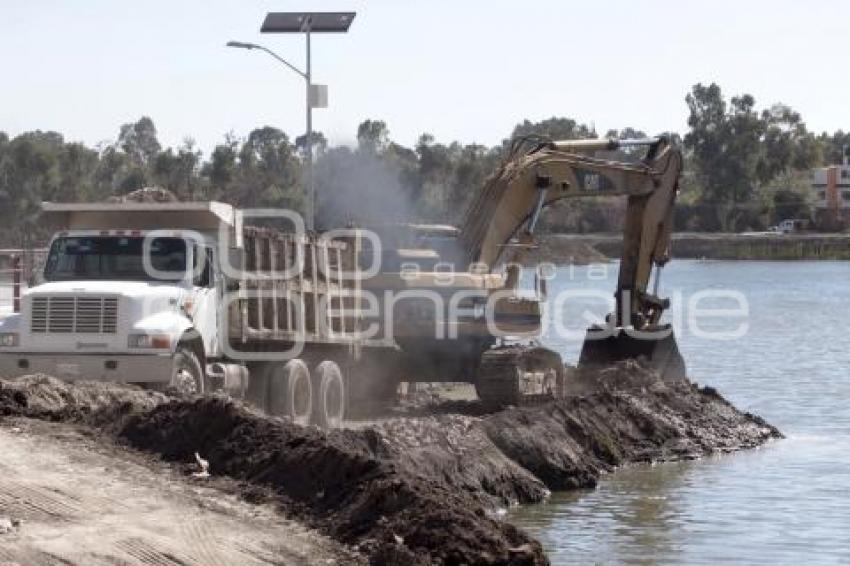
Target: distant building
(832, 194)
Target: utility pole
(309, 23)
(316, 95)
(311, 188)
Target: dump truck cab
(125, 289)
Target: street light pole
(309, 205)
(311, 189)
(309, 23)
(306, 23)
(309, 221)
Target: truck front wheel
(187, 376)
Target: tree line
(745, 168)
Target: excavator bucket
(657, 350)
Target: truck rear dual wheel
(328, 396)
(290, 392)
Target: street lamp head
(241, 45)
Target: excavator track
(519, 376)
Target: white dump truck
(181, 294)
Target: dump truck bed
(299, 287)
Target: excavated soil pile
(619, 416)
(418, 489)
(346, 482)
(91, 402)
(343, 480)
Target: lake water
(788, 502)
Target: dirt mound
(627, 415)
(417, 489)
(456, 450)
(146, 194)
(347, 481)
(42, 396)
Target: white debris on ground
(8, 525)
(203, 467)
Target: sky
(466, 71)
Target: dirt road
(84, 501)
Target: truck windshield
(114, 257)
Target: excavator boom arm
(511, 201)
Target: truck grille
(87, 315)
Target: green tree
(178, 171)
(269, 172)
(30, 172)
(221, 169)
(138, 140)
(788, 203)
(112, 175)
(372, 136)
(77, 167)
(435, 177)
(787, 145)
(833, 146)
(474, 163)
(725, 141)
(318, 140)
(740, 158)
(555, 128)
(627, 133)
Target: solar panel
(298, 22)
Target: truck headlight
(8, 339)
(153, 341)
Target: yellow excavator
(508, 367)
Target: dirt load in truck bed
(416, 489)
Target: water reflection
(632, 507)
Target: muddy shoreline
(421, 488)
